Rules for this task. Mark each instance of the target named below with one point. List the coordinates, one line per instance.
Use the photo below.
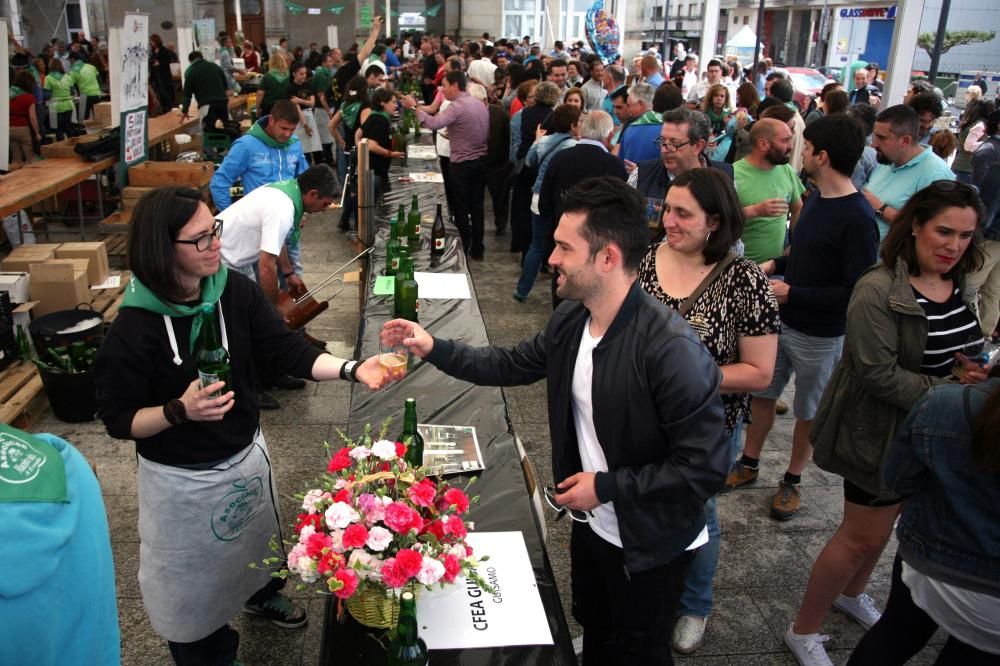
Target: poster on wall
(134, 92)
(205, 39)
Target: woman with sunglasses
(907, 317)
(207, 504)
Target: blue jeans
(541, 229)
(697, 597)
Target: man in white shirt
(690, 74)
(713, 76)
(482, 70)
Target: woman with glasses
(729, 304)
(207, 501)
(907, 317)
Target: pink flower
(393, 574)
(340, 460)
(329, 562)
(311, 500)
(379, 539)
(373, 507)
(455, 497)
(316, 543)
(430, 571)
(399, 517)
(452, 567)
(340, 514)
(422, 494)
(409, 561)
(454, 526)
(355, 536)
(348, 583)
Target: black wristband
(348, 371)
(174, 412)
(288, 275)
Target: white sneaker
(808, 649)
(689, 633)
(861, 609)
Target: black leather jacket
(657, 414)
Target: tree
(953, 39)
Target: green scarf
(383, 114)
(350, 114)
(15, 91)
(55, 75)
(77, 66)
(649, 118)
(35, 73)
(257, 131)
(279, 77)
(138, 295)
(291, 189)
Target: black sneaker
(266, 401)
(280, 610)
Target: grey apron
(199, 531)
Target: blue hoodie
(57, 592)
(256, 159)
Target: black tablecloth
(504, 501)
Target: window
(692, 10)
(574, 18)
(736, 20)
(746, 20)
(657, 13)
(521, 17)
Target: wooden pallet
(22, 398)
(117, 245)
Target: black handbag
(106, 146)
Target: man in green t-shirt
(769, 190)
(86, 79)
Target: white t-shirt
(604, 521)
(969, 616)
(482, 70)
(259, 222)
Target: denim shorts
(812, 359)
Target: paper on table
(442, 285)
(419, 152)
(110, 282)
(385, 285)
(462, 616)
(426, 177)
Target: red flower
(343, 495)
(400, 450)
(422, 494)
(454, 526)
(355, 536)
(409, 562)
(452, 567)
(314, 519)
(454, 496)
(316, 543)
(349, 583)
(399, 517)
(417, 523)
(340, 460)
(436, 528)
(328, 562)
(393, 574)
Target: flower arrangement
(376, 524)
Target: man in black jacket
(635, 473)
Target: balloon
(602, 32)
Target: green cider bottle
(405, 290)
(402, 230)
(392, 249)
(210, 356)
(410, 436)
(413, 226)
(406, 647)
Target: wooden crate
(116, 223)
(117, 249)
(172, 174)
(22, 399)
(132, 194)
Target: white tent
(745, 38)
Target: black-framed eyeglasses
(670, 147)
(203, 242)
(549, 493)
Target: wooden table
(163, 127)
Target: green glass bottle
(410, 436)
(413, 226)
(405, 290)
(210, 356)
(406, 647)
(392, 249)
(402, 230)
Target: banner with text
(134, 93)
(463, 616)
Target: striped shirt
(951, 327)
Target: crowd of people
(709, 241)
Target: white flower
(360, 452)
(459, 551)
(307, 531)
(300, 563)
(430, 571)
(340, 515)
(384, 449)
(362, 558)
(312, 498)
(337, 541)
(379, 539)
(340, 484)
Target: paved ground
(764, 563)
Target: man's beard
(777, 157)
(881, 158)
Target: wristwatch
(347, 371)
(881, 209)
(174, 412)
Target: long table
(505, 504)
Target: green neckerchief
(279, 77)
(77, 66)
(31, 469)
(15, 91)
(257, 131)
(55, 75)
(649, 118)
(383, 114)
(291, 189)
(715, 117)
(138, 295)
(321, 70)
(350, 113)
(35, 73)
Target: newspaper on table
(450, 449)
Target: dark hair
(374, 70)
(285, 110)
(842, 139)
(925, 102)
(778, 111)
(558, 62)
(621, 93)
(616, 213)
(903, 121)
(488, 51)
(156, 221)
(837, 101)
(320, 178)
(713, 63)
(25, 81)
(195, 55)
(564, 117)
(55, 65)
(783, 90)
(993, 123)
(381, 96)
(985, 451)
(865, 114)
(457, 78)
(766, 104)
(747, 96)
(715, 193)
(296, 66)
(356, 90)
(975, 111)
(829, 87)
(698, 126)
(667, 97)
(921, 208)
(157, 40)
(378, 50)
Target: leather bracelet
(288, 275)
(174, 412)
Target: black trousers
(445, 163)
(498, 184)
(216, 111)
(64, 119)
(520, 211)
(91, 102)
(904, 630)
(219, 647)
(468, 186)
(627, 618)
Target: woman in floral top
(736, 317)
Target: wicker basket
(376, 607)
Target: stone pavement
(764, 563)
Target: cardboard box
(96, 253)
(77, 263)
(16, 284)
(58, 286)
(102, 112)
(21, 257)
